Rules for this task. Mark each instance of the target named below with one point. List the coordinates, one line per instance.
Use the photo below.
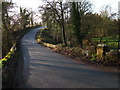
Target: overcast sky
(97, 4)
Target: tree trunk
(101, 38)
(76, 22)
(62, 25)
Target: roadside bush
(77, 51)
(111, 58)
(94, 57)
(49, 40)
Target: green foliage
(111, 42)
(63, 45)
(75, 20)
(7, 37)
(80, 24)
(90, 23)
(94, 57)
(25, 15)
(45, 36)
(105, 39)
(112, 45)
(6, 58)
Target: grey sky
(97, 4)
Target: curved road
(43, 68)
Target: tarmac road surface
(43, 68)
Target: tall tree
(56, 14)
(62, 24)
(7, 37)
(75, 19)
(105, 23)
(31, 19)
(24, 17)
(79, 9)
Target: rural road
(43, 68)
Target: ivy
(6, 58)
(94, 57)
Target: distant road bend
(43, 68)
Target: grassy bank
(111, 42)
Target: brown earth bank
(85, 60)
(110, 59)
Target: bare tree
(56, 14)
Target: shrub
(112, 44)
(94, 57)
(111, 58)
